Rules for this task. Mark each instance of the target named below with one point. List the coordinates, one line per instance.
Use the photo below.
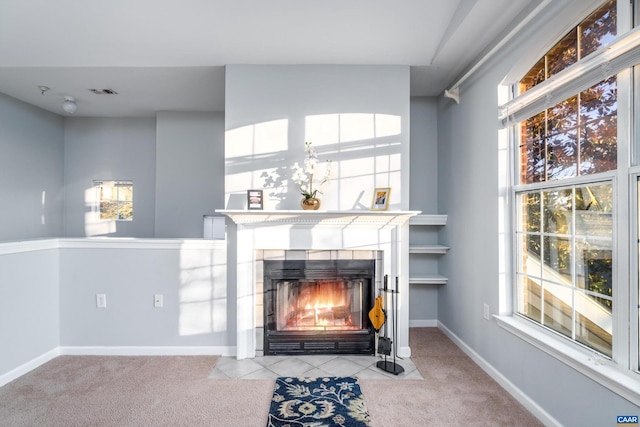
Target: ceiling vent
(104, 91)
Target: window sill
(597, 368)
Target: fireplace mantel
(298, 230)
(360, 217)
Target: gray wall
(257, 96)
(29, 307)
(191, 278)
(31, 171)
(109, 149)
(468, 193)
(424, 155)
(423, 300)
(189, 171)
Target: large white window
(574, 183)
(564, 195)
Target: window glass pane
(125, 210)
(557, 212)
(563, 117)
(594, 206)
(532, 151)
(594, 321)
(533, 77)
(562, 142)
(531, 219)
(599, 128)
(558, 312)
(529, 297)
(594, 267)
(529, 240)
(598, 29)
(108, 210)
(529, 255)
(562, 155)
(557, 259)
(106, 192)
(125, 192)
(563, 54)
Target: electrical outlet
(486, 312)
(101, 300)
(158, 301)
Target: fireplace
(312, 235)
(318, 306)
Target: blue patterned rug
(317, 402)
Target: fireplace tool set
(378, 317)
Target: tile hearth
(271, 367)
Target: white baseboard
(514, 391)
(29, 366)
(427, 323)
(149, 351)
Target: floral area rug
(317, 402)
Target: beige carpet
(175, 391)
(454, 392)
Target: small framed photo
(381, 199)
(254, 199)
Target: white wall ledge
(621, 381)
(7, 248)
(17, 247)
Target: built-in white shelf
(428, 249)
(428, 219)
(432, 279)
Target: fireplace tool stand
(384, 343)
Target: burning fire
(321, 304)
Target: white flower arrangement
(303, 175)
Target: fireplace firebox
(318, 306)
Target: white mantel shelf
(360, 217)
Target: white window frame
(620, 374)
(96, 186)
(634, 265)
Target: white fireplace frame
(385, 231)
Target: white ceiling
(169, 55)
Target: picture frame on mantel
(381, 197)
(254, 200)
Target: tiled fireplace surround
(267, 235)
